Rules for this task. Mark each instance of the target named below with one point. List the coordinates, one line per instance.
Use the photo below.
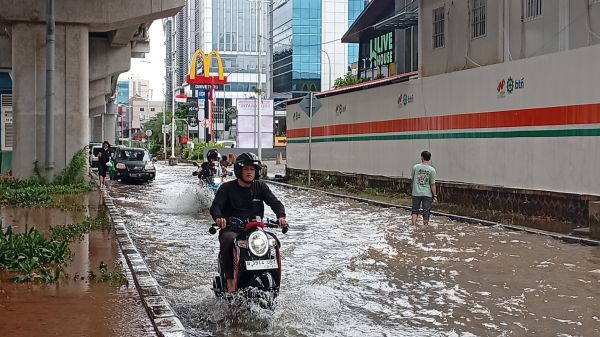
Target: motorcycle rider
(242, 198)
(211, 167)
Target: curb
(460, 218)
(163, 317)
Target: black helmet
(212, 154)
(244, 159)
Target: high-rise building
(177, 46)
(168, 31)
(229, 27)
(307, 52)
(355, 7)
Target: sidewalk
(274, 169)
(73, 306)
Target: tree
(347, 80)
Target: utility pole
(259, 72)
(50, 68)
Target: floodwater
(351, 269)
(72, 306)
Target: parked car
(133, 164)
(93, 154)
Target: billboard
(247, 123)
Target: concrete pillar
(77, 89)
(110, 122)
(96, 124)
(71, 92)
(28, 54)
(594, 218)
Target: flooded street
(74, 306)
(351, 269)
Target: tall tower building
(176, 30)
(307, 52)
(168, 31)
(229, 27)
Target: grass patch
(335, 184)
(38, 192)
(35, 257)
(116, 276)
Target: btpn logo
(405, 99)
(509, 86)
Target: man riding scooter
(211, 167)
(242, 199)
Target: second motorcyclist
(242, 199)
(211, 167)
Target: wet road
(352, 269)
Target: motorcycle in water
(212, 181)
(257, 262)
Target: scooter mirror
(284, 230)
(212, 230)
(194, 163)
(195, 173)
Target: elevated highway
(95, 41)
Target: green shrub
(33, 256)
(37, 192)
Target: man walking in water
(423, 188)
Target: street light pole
(329, 61)
(172, 160)
(259, 72)
(173, 117)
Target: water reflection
(90, 308)
(351, 269)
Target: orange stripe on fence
(561, 115)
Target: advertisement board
(247, 123)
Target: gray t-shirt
(422, 177)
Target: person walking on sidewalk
(424, 192)
(104, 158)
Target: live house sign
(381, 50)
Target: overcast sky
(152, 68)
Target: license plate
(261, 264)
(135, 175)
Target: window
(532, 9)
(478, 18)
(438, 27)
(152, 109)
(141, 109)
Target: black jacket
(105, 156)
(233, 200)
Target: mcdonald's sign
(206, 79)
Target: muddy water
(351, 269)
(73, 306)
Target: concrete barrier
(267, 154)
(594, 219)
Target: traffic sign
(193, 108)
(148, 133)
(167, 128)
(305, 104)
(192, 121)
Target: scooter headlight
(258, 243)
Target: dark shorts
(425, 203)
(226, 238)
(102, 170)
